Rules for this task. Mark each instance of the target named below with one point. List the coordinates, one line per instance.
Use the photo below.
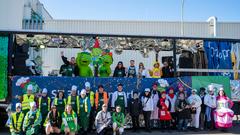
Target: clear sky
(152, 10)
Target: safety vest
(55, 101)
(70, 100)
(40, 102)
(16, 124)
(26, 122)
(26, 101)
(105, 98)
(91, 98)
(85, 105)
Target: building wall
(11, 14)
(52, 58)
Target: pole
(182, 25)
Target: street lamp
(182, 25)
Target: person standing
(156, 71)
(69, 121)
(195, 103)
(142, 72)
(84, 112)
(164, 106)
(103, 121)
(60, 102)
(91, 96)
(101, 97)
(203, 108)
(53, 121)
(119, 98)
(132, 72)
(16, 121)
(183, 111)
(32, 121)
(172, 98)
(27, 99)
(68, 69)
(44, 104)
(147, 103)
(135, 108)
(166, 71)
(120, 70)
(211, 103)
(118, 121)
(223, 114)
(73, 99)
(155, 95)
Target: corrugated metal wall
(52, 58)
(228, 30)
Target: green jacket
(32, 119)
(118, 118)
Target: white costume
(155, 112)
(196, 102)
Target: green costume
(85, 108)
(74, 101)
(118, 118)
(16, 123)
(68, 120)
(83, 60)
(105, 68)
(60, 104)
(32, 122)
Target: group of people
(78, 113)
(133, 71)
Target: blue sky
(152, 10)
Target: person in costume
(83, 61)
(155, 95)
(132, 71)
(105, 68)
(27, 99)
(101, 97)
(73, 99)
(84, 111)
(69, 121)
(164, 106)
(16, 121)
(195, 102)
(223, 115)
(156, 71)
(103, 121)
(53, 121)
(211, 103)
(135, 108)
(60, 102)
(118, 121)
(32, 121)
(44, 104)
(120, 70)
(91, 96)
(203, 108)
(147, 104)
(183, 110)
(119, 98)
(172, 98)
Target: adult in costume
(195, 102)
(83, 61)
(103, 121)
(119, 98)
(84, 112)
(16, 121)
(32, 121)
(73, 99)
(156, 71)
(69, 121)
(223, 115)
(105, 68)
(53, 121)
(211, 103)
(118, 121)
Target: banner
(3, 66)
(54, 84)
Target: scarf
(171, 95)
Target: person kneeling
(118, 121)
(53, 121)
(102, 121)
(69, 121)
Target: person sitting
(118, 121)
(103, 121)
(53, 121)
